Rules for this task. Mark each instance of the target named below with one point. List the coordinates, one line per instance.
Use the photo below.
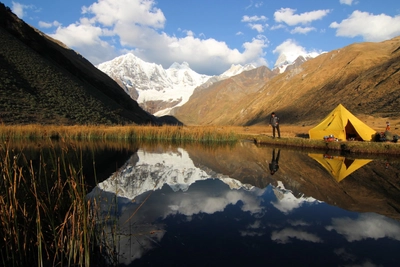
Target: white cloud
(259, 4)
(110, 13)
(255, 26)
(253, 18)
(346, 2)
(370, 27)
(256, 5)
(302, 30)
(258, 27)
(137, 26)
(292, 50)
(189, 33)
(286, 234)
(87, 39)
(79, 34)
(366, 226)
(287, 16)
(43, 24)
(203, 55)
(278, 26)
(19, 9)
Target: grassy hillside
(364, 77)
(214, 104)
(43, 81)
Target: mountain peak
(286, 59)
(156, 89)
(236, 69)
(178, 66)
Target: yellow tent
(342, 125)
(339, 167)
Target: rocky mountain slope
(364, 77)
(43, 81)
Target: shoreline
(344, 147)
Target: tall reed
(44, 212)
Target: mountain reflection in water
(196, 206)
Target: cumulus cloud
(370, 27)
(255, 26)
(253, 18)
(346, 2)
(302, 30)
(288, 16)
(292, 50)
(286, 234)
(277, 26)
(43, 24)
(138, 26)
(258, 27)
(366, 226)
(19, 9)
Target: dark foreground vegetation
(46, 219)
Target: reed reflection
(185, 205)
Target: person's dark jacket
(274, 120)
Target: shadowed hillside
(43, 81)
(364, 77)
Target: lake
(246, 204)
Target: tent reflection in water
(343, 125)
(339, 167)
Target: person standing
(274, 122)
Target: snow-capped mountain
(153, 87)
(146, 171)
(235, 70)
(285, 61)
(158, 90)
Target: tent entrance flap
(351, 132)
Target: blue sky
(210, 35)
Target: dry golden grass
(194, 133)
(102, 132)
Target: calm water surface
(244, 204)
